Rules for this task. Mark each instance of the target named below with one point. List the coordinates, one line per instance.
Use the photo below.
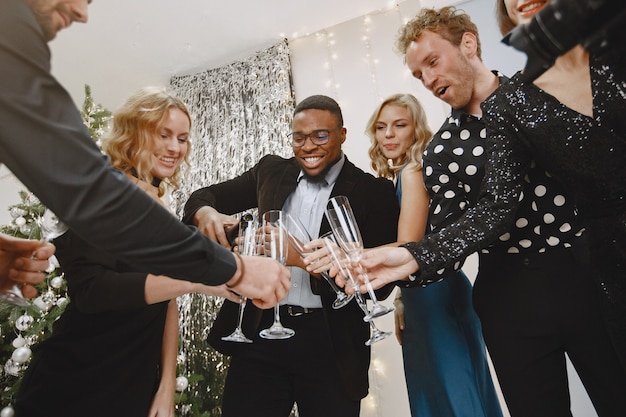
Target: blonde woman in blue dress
(445, 364)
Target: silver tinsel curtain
(240, 113)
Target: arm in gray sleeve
(44, 142)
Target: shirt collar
(458, 117)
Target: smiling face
(522, 11)
(170, 145)
(442, 67)
(394, 131)
(55, 15)
(315, 160)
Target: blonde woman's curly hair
(380, 164)
(449, 22)
(136, 126)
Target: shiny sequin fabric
(587, 155)
(523, 210)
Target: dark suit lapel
(286, 185)
(286, 182)
(346, 181)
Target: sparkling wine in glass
(246, 245)
(298, 237)
(51, 227)
(276, 246)
(348, 236)
(340, 258)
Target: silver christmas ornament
(19, 342)
(181, 383)
(23, 322)
(56, 282)
(12, 368)
(16, 212)
(21, 355)
(42, 303)
(26, 229)
(7, 411)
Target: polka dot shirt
(453, 171)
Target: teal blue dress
(445, 361)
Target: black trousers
(534, 310)
(266, 377)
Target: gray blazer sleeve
(44, 142)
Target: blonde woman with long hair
(113, 351)
(445, 364)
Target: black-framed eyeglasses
(318, 137)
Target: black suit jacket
(266, 186)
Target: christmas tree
(22, 327)
(199, 384)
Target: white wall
(355, 63)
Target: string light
(332, 56)
(369, 56)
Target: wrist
(238, 277)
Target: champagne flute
(51, 227)
(276, 244)
(346, 231)
(339, 258)
(246, 245)
(298, 236)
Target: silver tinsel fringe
(240, 113)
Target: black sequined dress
(587, 155)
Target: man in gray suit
(45, 143)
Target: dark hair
(320, 102)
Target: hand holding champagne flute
(348, 236)
(275, 246)
(246, 244)
(51, 227)
(298, 237)
(340, 261)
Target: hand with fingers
(23, 262)
(215, 225)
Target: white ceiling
(132, 43)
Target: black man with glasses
(324, 366)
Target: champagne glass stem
(275, 227)
(366, 280)
(277, 315)
(242, 307)
(377, 309)
(377, 334)
(331, 282)
(341, 298)
(246, 245)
